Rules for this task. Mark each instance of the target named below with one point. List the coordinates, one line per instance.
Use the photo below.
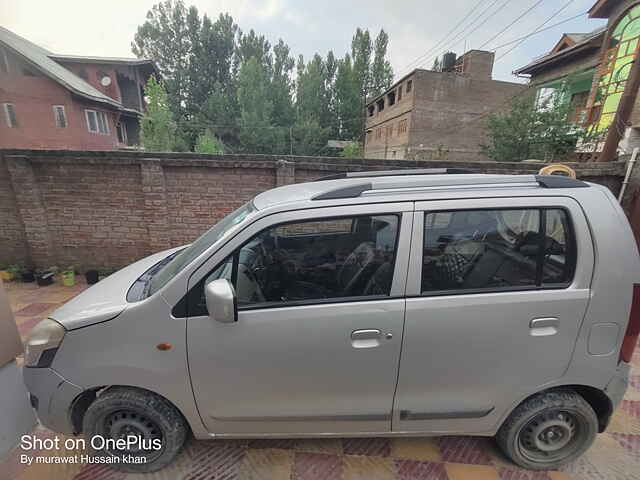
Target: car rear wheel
(548, 430)
(121, 413)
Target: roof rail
(397, 173)
(488, 181)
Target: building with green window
(592, 69)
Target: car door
(317, 342)
(496, 294)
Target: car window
(494, 249)
(559, 254)
(308, 261)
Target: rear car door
(497, 291)
(321, 309)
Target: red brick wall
(33, 98)
(107, 209)
(93, 213)
(197, 197)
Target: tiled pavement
(615, 455)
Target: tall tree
(164, 38)
(256, 46)
(381, 71)
(348, 100)
(256, 133)
(361, 49)
(157, 130)
(282, 85)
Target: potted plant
(27, 274)
(92, 276)
(45, 277)
(5, 274)
(69, 276)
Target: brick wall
(107, 209)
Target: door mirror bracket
(220, 297)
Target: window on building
(390, 130)
(121, 131)
(60, 116)
(409, 85)
(372, 110)
(97, 122)
(497, 249)
(4, 61)
(402, 126)
(103, 123)
(380, 104)
(10, 115)
(399, 92)
(392, 98)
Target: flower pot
(6, 275)
(45, 279)
(68, 279)
(28, 277)
(91, 276)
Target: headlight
(42, 343)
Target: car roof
(347, 187)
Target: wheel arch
(82, 402)
(595, 397)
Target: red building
(68, 102)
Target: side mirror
(220, 297)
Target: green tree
(282, 85)
(352, 150)
(381, 71)
(157, 127)
(256, 132)
(348, 100)
(165, 39)
(533, 128)
(208, 143)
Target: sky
(417, 28)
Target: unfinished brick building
(433, 115)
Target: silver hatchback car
(414, 302)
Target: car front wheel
(121, 414)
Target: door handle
(542, 327)
(368, 338)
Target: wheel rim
(551, 436)
(123, 423)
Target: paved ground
(615, 455)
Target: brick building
(592, 69)
(434, 115)
(68, 102)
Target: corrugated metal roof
(584, 39)
(42, 59)
(110, 60)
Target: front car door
(321, 310)
(498, 288)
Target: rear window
(492, 250)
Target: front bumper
(51, 396)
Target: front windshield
(186, 256)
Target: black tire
(548, 430)
(121, 411)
